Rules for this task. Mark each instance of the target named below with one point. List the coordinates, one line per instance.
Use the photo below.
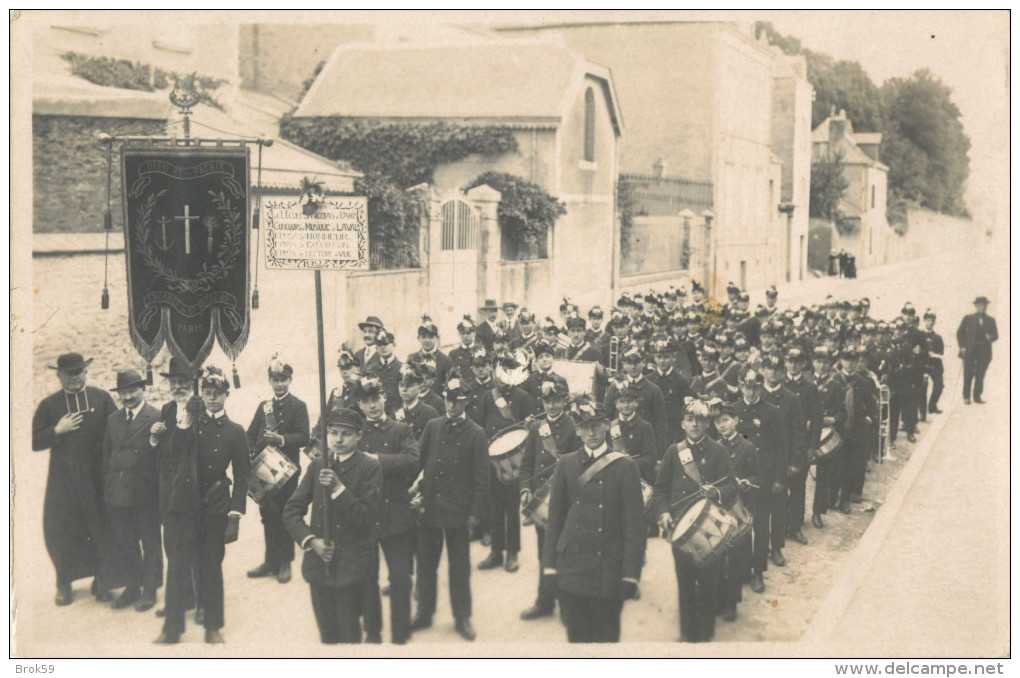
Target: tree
(925, 146)
(828, 187)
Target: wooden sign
(331, 236)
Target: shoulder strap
(687, 461)
(597, 467)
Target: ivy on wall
(125, 74)
(394, 157)
(526, 211)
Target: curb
(832, 607)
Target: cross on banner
(187, 218)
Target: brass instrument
(614, 354)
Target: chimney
(659, 168)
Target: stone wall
(70, 170)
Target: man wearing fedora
(131, 493)
(487, 328)
(70, 424)
(974, 337)
(368, 355)
(281, 421)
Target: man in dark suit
(632, 435)
(368, 355)
(975, 336)
(70, 424)
(454, 497)
(282, 422)
(800, 384)
(339, 556)
(168, 459)
(487, 328)
(204, 512)
(934, 368)
(340, 397)
(462, 356)
(395, 445)
(580, 349)
(675, 388)
(595, 542)
(651, 406)
(131, 493)
(388, 370)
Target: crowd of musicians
(700, 424)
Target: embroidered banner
(186, 242)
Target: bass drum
(505, 451)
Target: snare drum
(831, 442)
(505, 451)
(270, 470)
(537, 508)
(703, 532)
(744, 521)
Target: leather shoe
(214, 636)
(934, 410)
(856, 498)
(911, 438)
(816, 520)
(511, 563)
(537, 611)
(464, 628)
(979, 401)
(199, 616)
(757, 583)
(486, 539)
(730, 612)
(799, 537)
(778, 558)
(161, 612)
(846, 508)
(421, 622)
(64, 595)
(966, 401)
(127, 597)
(283, 574)
(146, 602)
(494, 559)
(166, 639)
(263, 570)
(104, 596)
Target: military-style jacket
(675, 387)
(536, 462)
(595, 537)
(832, 396)
(811, 408)
(351, 520)
(454, 457)
(421, 414)
(637, 438)
(762, 425)
(291, 415)
(793, 422)
(396, 447)
(651, 406)
(222, 444)
(673, 487)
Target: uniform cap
(553, 386)
(466, 325)
(427, 327)
(596, 312)
(213, 377)
(585, 409)
(576, 322)
(341, 416)
(347, 359)
(369, 386)
(455, 390)
(278, 368)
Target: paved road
(790, 603)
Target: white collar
(461, 417)
(667, 372)
(598, 451)
(137, 410)
(412, 405)
(218, 415)
(630, 418)
(766, 386)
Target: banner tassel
(148, 374)
(105, 302)
(237, 378)
(255, 299)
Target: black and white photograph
(511, 334)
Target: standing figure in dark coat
(462, 357)
(395, 445)
(413, 410)
(341, 397)
(975, 336)
(934, 367)
(861, 427)
(339, 556)
(651, 406)
(131, 493)
(548, 440)
(800, 384)
(762, 425)
(454, 492)
(168, 459)
(832, 398)
(204, 514)
(630, 434)
(70, 423)
(428, 338)
(595, 542)
(388, 370)
(695, 468)
(675, 387)
(368, 355)
(282, 422)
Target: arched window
(589, 125)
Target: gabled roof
(493, 79)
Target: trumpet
(614, 354)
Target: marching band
(696, 422)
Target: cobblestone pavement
(266, 618)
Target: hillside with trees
(923, 142)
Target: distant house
(864, 230)
(564, 113)
(701, 101)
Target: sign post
(332, 237)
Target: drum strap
(687, 461)
(548, 442)
(271, 421)
(579, 350)
(597, 467)
(502, 405)
(616, 433)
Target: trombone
(883, 421)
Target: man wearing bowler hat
(487, 328)
(131, 493)
(368, 355)
(975, 336)
(70, 424)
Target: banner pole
(323, 415)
